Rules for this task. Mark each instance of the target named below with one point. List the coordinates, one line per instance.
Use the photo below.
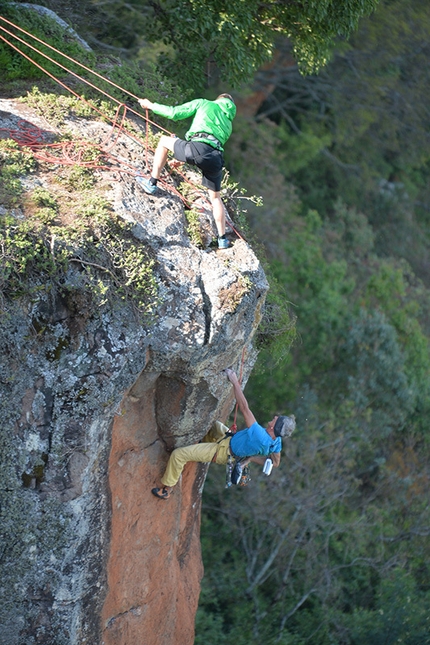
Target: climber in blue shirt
(255, 440)
(253, 444)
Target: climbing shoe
(223, 243)
(161, 493)
(150, 189)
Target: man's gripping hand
(231, 375)
(145, 103)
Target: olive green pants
(214, 444)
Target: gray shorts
(209, 160)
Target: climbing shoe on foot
(223, 243)
(161, 493)
(149, 188)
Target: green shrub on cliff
(109, 262)
(14, 162)
(38, 250)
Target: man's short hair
(225, 96)
(285, 426)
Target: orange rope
(81, 78)
(75, 161)
(57, 51)
(72, 152)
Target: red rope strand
(57, 51)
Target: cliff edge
(97, 389)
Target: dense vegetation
(333, 547)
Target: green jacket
(212, 117)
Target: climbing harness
(66, 153)
(235, 473)
(209, 137)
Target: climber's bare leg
(165, 145)
(218, 210)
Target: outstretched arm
(257, 459)
(240, 398)
(175, 112)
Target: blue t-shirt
(255, 440)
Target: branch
(95, 41)
(97, 266)
(293, 611)
(258, 578)
(338, 162)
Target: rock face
(91, 405)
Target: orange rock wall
(155, 566)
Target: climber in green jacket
(202, 147)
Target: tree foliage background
(333, 547)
